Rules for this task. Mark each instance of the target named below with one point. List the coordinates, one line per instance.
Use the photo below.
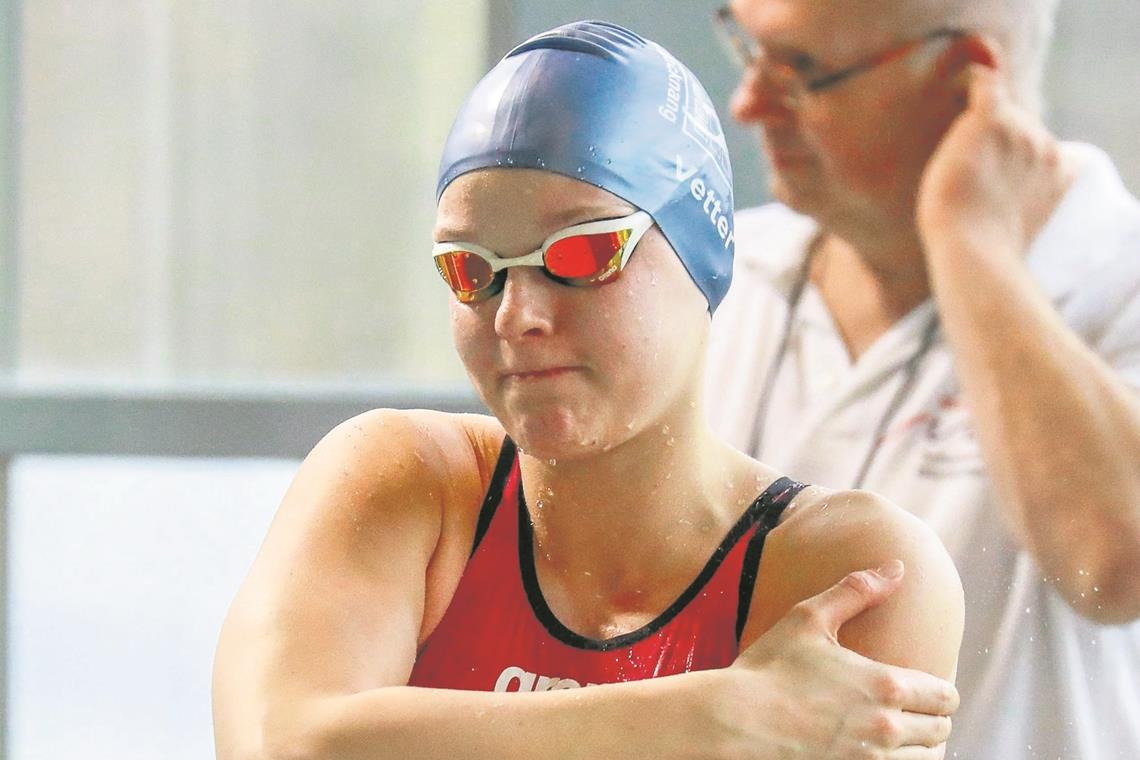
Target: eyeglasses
(592, 253)
(795, 78)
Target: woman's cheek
(466, 336)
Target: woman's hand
(816, 699)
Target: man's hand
(834, 703)
(995, 177)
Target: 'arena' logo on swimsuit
(522, 680)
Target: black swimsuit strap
(771, 506)
(495, 490)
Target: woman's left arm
(831, 534)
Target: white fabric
(1037, 680)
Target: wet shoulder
(824, 535)
(387, 461)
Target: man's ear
(950, 79)
(963, 52)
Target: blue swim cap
(596, 102)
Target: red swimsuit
(498, 633)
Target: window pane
(231, 190)
(121, 573)
(1091, 81)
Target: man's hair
(1023, 29)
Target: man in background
(944, 307)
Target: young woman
(649, 591)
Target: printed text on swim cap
(672, 91)
(712, 206)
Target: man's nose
(758, 98)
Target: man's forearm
(1059, 431)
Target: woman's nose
(526, 304)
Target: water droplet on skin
(653, 278)
(670, 441)
(664, 430)
(552, 461)
(541, 504)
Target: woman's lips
(539, 374)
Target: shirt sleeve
(1106, 312)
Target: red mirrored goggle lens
(587, 259)
(467, 274)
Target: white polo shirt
(1037, 680)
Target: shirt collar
(778, 239)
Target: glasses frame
(638, 223)
(748, 53)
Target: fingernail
(891, 570)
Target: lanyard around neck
(909, 371)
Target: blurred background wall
(214, 224)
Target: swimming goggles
(592, 253)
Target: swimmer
(589, 572)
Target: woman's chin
(558, 438)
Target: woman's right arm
(359, 564)
(357, 567)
